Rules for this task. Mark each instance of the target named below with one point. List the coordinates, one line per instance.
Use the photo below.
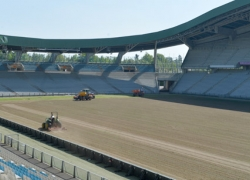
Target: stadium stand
(145, 67)
(125, 82)
(48, 67)
(30, 66)
(86, 68)
(16, 83)
(230, 81)
(110, 68)
(217, 68)
(42, 83)
(81, 67)
(187, 81)
(221, 52)
(223, 83)
(208, 81)
(98, 83)
(13, 167)
(242, 91)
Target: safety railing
(52, 161)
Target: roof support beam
(121, 53)
(53, 57)
(99, 49)
(18, 56)
(225, 31)
(155, 57)
(187, 42)
(130, 47)
(119, 57)
(87, 57)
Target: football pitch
(184, 137)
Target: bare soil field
(184, 137)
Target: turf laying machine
(52, 122)
(84, 94)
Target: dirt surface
(184, 137)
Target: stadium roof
(223, 22)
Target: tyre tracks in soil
(177, 149)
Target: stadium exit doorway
(164, 85)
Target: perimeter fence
(51, 161)
(89, 154)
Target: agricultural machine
(84, 94)
(138, 92)
(52, 122)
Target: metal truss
(130, 46)
(223, 20)
(99, 49)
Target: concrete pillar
(18, 56)
(155, 57)
(87, 57)
(119, 58)
(53, 57)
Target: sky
(89, 19)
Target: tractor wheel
(46, 126)
(59, 124)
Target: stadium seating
(86, 68)
(3, 66)
(145, 67)
(13, 167)
(187, 81)
(30, 66)
(222, 52)
(228, 83)
(223, 83)
(207, 82)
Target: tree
(60, 58)
(10, 56)
(147, 59)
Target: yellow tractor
(52, 122)
(84, 94)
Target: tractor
(52, 122)
(138, 92)
(84, 94)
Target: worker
(52, 119)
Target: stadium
(192, 123)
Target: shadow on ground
(204, 101)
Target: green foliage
(168, 64)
